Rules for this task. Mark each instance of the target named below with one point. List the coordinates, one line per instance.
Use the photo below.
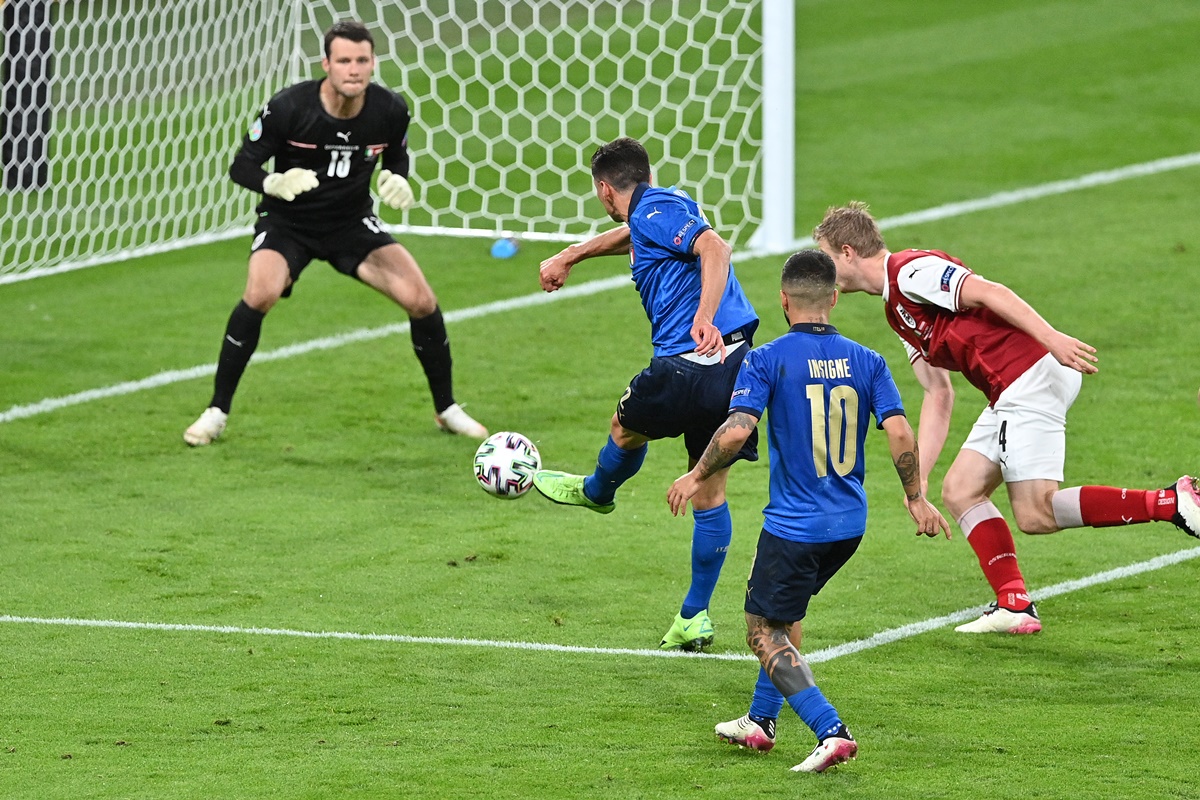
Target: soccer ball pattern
(505, 463)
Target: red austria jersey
(921, 299)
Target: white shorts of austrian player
(1025, 432)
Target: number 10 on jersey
(838, 422)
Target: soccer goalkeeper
(326, 138)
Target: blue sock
(712, 530)
(614, 466)
(816, 712)
(767, 699)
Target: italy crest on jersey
(256, 130)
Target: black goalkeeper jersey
(295, 130)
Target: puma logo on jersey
(652, 213)
(345, 137)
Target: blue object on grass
(504, 248)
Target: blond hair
(850, 224)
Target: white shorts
(1025, 432)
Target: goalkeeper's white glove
(286, 185)
(395, 191)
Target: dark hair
(350, 29)
(809, 277)
(622, 163)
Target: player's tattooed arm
(725, 444)
(721, 450)
(905, 455)
(908, 467)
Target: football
(505, 463)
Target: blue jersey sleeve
(885, 397)
(752, 391)
(675, 228)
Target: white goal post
(121, 116)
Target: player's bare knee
(261, 301)
(422, 308)
(711, 494)
(623, 437)
(1035, 520)
(422, 303)
(956, 500)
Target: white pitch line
(815, 657)
(905, 631)
(1009, 198)
(941, 212)
(326, 343)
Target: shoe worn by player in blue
(1003, 620)
(692, 635)
(745, 732)
(832, 751)
(567, 489)
(1187, 505)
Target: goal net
(120, 119)
(144, 105)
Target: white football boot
(1187, 506)
(745, 732)
(207, 428)
(1001, 620)
(829, 753)
(455, 420)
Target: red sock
(992, 540)
(1105, 506)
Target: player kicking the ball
(701, 326)
(326, 138)
(951, 319)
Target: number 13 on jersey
(339, 163)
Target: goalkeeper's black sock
(241, 339)
(431, 343)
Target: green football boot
(692, 635)
(565, 488)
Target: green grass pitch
(332, 504)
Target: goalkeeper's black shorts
(344, 246)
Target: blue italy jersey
(663, 226)
(819, 389)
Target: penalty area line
(815, 657)
(936, 213)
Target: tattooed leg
(777, 646)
